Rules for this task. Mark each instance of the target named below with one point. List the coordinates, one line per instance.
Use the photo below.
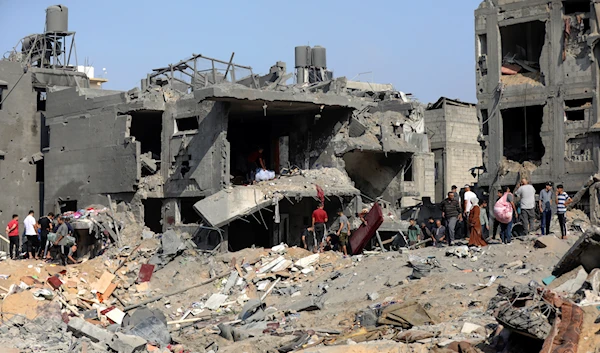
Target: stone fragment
(123, 343)
(82, 328)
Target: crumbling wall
(198, 161)
(566, 73)
(377, 175)
(577, 63)
(322, 134)
(19, 141)
(90, 155)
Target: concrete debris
(123, 343)
(215, 301)
(177, 153)
(81, 328)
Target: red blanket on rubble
(360, 237)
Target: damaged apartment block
(537, 89)
(175, 150)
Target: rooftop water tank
(319, 57)
(57, 18)
(302, 56)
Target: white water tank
(57, 18)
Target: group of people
(549, 199)
(469, 216)
(443, 231)
(315, 237)
(474, 214)
(42, 238)
(457, 215)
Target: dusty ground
(451, 294)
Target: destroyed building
(176, 144)
(453, 128)
(183, 137)
(537, 90)
(43, 60)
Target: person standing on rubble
(45, 228)
(562, 201)
(343, 232)
(546, 201)
(496, 224)
(31, 228)
(483, 218)
(450, 212)
(65, 243)
(526, 192)
(319, 218)
(12, 231)
(467, 204)
(506, 228)
(475, 236)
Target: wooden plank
(104, 282)
(111, 288)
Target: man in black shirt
(45, 228)
(309, 240)
(451, 212)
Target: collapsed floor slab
(227, 205)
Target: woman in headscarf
(475, 238)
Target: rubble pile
(160, 293)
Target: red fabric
(319, 215)
(145, 273)
(363, 234)
(14, 232)
(320, 194)
(254, 156)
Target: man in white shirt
(468, 196)
(31, 227)
(526, 192)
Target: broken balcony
(275, 211)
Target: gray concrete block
(82, 328)
(356, 128)
(123, 343)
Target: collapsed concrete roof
(231, 92)
(228, 205)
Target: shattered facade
(453, 129)
(170, 146)
(25, 78)
(537, 89)
(183, 137)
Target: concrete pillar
(494, 61)
(424, 174)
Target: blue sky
(423, 47)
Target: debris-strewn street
(159, 293)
